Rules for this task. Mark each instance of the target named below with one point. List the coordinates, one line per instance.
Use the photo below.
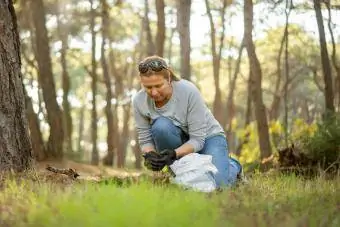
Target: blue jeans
(168, 136)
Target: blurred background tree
(261, 66)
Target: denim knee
(161, 126)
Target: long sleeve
(143, 127)
(196, 118)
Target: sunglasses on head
(154, 65)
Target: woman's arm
(196, 114)
(143, 128)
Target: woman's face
(157, 87)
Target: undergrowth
(268, 200)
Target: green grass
(266, 201)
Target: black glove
(167, 157)
(148, 156)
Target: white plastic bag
(195, 171)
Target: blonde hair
(166, 72)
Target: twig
(69, 172)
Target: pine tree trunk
(94, 128)
(38, 146)
(46, 81)
(108, 85)
(326, 66)
(15, 144)
(256, 80)
(160, 36)
(183, 26)
(67, 119)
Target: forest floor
(43, 198)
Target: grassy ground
(266, 201)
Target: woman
(172, 120)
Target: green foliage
(324, 145)
(251, 151)
(266, 201)
(107, 205)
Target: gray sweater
(186, 109)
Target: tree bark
(230, 105)
(160, 36)
(150, 44)
(335, 62)
(45, 76)
(124, 136)
(248, 115)
(67, 119)
(183, 27)
(38, 147)
(326, 67)
(94, 128)
(216, 60)
(109, 96)
(15, 144)
(256, 80)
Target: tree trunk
(125, 136)
(183, 27)
(67, 119)
(137, 153)
(38, 144)
(334, 55)
(160, 36)
(256, 80)
(147, 29)
(15, 144)
(248, 115)
(81, 128)
(108, 84)
(230, 105)
(216, 58)
(95, 155)
(275, 106)
(286, 32)
(172, 32)
(326, 67)
(45, 76)
(38, 147)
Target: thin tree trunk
(147, 29)
(230, 98)
(288, 10)
(15, 144)
(124, 136)
(172, 32)
(160, 36)
(183, 27)
(247, 118)
(256, 80)
(81, 128)
(334, 56)
(136, 151)
(275, 106)
(95, 155)
(230, 105)
(216, 60)
(107, 79)
(45, 75)
(67, 119)
(326, 67)
(38, 147)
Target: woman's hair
(162, 68)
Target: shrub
(324, 145)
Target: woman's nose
(154, 91)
